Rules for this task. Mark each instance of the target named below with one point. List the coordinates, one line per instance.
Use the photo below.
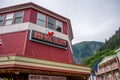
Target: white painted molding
(27, 26)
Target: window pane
(58, 29)
(41, 23)
(1, 20)
(18, 17)
(9, 16)
(8, 22)
(0, 23)
(18, 20)
(41, 19)
(58, 23)
(58, 26)
(50, 23)
(51, 20)
(9, 19)
(51, 26)
(19, 14)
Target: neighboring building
(108, 69)
(118, 55)
(36, 45)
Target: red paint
(13, 43)
(33, 16)
(26, 17)
(47, 52)
(17, 43)
(30, 15)
(65, 28)
(117, 60)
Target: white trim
(42, 63)
(15, 16)
(118, 50)
(28, 26)
(13, 28)
(9, 19)
(38, 17)
(61, 25)
(36, 8)
(2, 19)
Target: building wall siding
(65, 28)
(13, 43)
(47, 52)
(33, 16)
(26, 17)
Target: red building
(118, 56)
(108, 69)
(36, 45)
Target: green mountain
(85, 49)
(109, 48)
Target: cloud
(90, 19)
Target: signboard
(47, 39)
(43, 77)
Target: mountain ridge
(85, 49)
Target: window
(1, 20)
(50, 23)
(18, 17)
(41, 19)
(58, 26)
(9, 18)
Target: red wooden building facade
(108, 69)
(36, 45)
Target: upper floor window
(58, 26)
(1, 20)
(51, 23)
(18, 17)
(9, 19)
(41, 19)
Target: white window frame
(50, 23)
(2, 20)
(19, 17)
(42, 20)
(9, 17)
(61, 25)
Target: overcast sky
(92, 20)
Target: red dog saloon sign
(47, 39)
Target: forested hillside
(108, 49)
(90, 61)
(113, 42)
(85, 49)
